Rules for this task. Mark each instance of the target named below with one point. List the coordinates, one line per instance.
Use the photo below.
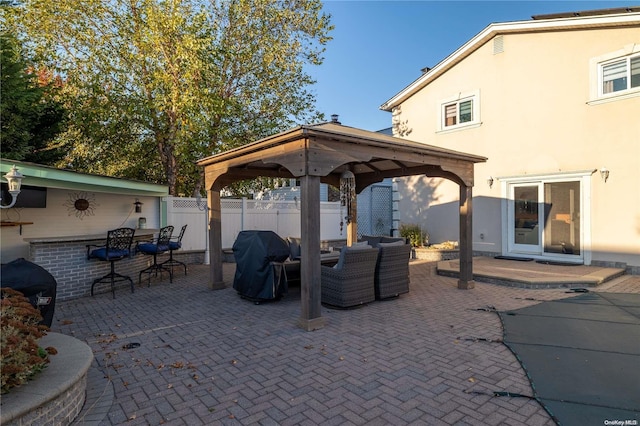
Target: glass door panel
(525, 225)
(562, 218)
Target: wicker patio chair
(392, 270)
(350, 283)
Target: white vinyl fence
(282, 217)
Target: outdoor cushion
(371, 240)
(151, 248)
(102, 254)
(294, 248)
(395, 243)
(355, 247)
(393, 239)
(360, 244)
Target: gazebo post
(352, 226)
(310, 270)
(466, 240)
(216, 281)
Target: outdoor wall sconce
(604, 174)
(14, 181)
(138, 205)
(490, 182)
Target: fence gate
(375, 215)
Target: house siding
(535, 119)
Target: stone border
(434, 255)
(57, 394)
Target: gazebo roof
(328, 149)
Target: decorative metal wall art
(81, 204)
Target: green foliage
(414, 233)
(21, 355)
(30, 116)
(154, 85)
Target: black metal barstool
(158, 246)
(175, 244)
(117, 247)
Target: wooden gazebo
(321, 153)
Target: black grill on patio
(259, 273)
(35, 282)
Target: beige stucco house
(554, 103)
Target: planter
(56, 394)
(434, 255)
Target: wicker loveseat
(350, 282)
(392, 267)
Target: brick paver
(431, 356)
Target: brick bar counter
(66, 259)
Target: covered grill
(259, 273)
(35, 282)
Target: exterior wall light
(604, 173)
(14, 181)
(138, 205)
(490, 182)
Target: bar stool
(155, 247)
(117, 247)
(175, 245)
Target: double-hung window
(620, 75)
(458, 113)
(464, 110)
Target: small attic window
(498, 44)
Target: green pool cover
(582, 355)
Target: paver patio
(431, 356)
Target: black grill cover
(255, 277)
(35, 283)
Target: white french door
(525, 214)
(545, 218)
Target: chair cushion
(371, 240)
(294, 248)
(363, 245)
(355, 247)
(395, 243)
(174, 245)
(151, 248)
(393, 239)
(101, 254)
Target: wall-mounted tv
(30, 197)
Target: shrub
(20, 355)
(414, 233)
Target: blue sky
(379, 47)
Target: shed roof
(52, 177)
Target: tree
(153, 85)
(30, 116)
